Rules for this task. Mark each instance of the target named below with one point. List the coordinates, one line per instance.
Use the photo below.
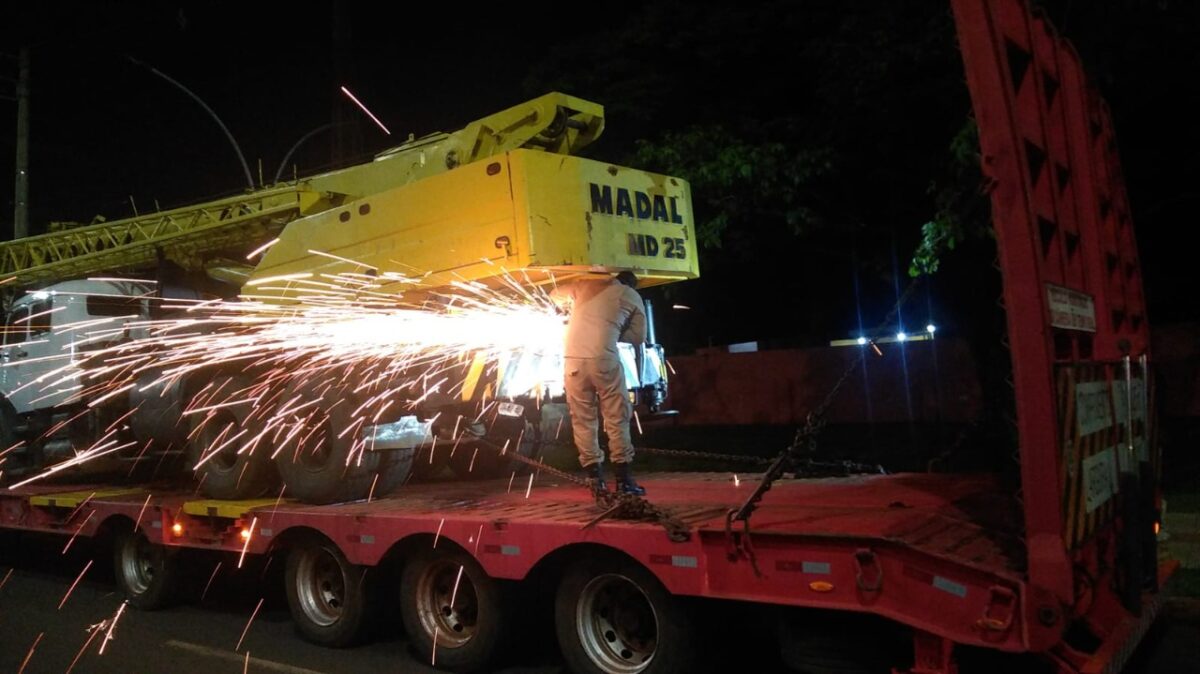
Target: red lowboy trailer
(1065, 568)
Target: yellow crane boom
(498, 196)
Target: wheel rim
(452, 614)
(321, 586)
(617, 625)
(140, 560)
(215, 431)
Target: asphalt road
(198, 637)
(202, 636)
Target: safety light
(177, 529)
(245, 534)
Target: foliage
(735, 179)
(959, 212)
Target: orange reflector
(820, 586)
(177, 529)
(245, 534)
(1157, 528)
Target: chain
(714, 456)
(615, 505)
(804, 446)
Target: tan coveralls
(603, 312)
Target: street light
(236, 148)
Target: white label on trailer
(1093, 409)
(510, 409)
(510, 550)
(1071, 309)
(1121, 404)
(685, 561)
(266, 533)
(1099, 478)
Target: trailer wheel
(467, 610)
(325, 594)
(324, 464)
(226, 474)
(145, 571)
(485, 462)
(614, 617)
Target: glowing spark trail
(29, 655)
(72, 588)
(307, 340)
(247, 629)
(364, 109)
(92, 633)
(142, 512)
(247, 535)
(112, 626)
(210, 581)
(81, 526)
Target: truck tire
(470, 614)
(430, 461)
(226, 474)
(614, 616)
(8, 438)
(325, 593)
(323, 469)
(145, 571)
(484, 461)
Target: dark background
(817, 135)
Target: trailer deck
(895, 545)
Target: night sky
(877, 85)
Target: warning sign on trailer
(1071, 309)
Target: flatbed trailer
(1062, 566)
(939, 553)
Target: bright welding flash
(900, 336)
(862, 341)
(931, 328)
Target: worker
(602, 311)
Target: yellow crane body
(528, 211)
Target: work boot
(625, 483)
(595, 475)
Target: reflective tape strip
(510, 550)
(819, 568)
(684, 561)
(266, 532)
(947, 585)
(366, 540)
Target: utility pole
(21, 193)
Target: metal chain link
(714, 456)
(804, 445)
(615, 505)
